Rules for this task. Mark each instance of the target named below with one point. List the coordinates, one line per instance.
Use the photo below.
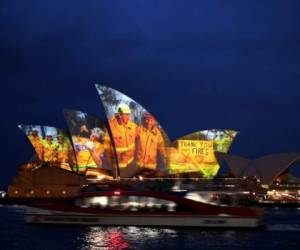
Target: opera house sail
(139, 140)
(51, 145)
(196, 152)
(92, 144)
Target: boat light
(224, 215)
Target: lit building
(46, 182)
(132, 144)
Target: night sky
(194, 64)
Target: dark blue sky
(194, 64)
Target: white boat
(124, 208)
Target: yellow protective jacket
(38, 145)
(97, 152)
(83, 155)
(65, 156)
(149, 143)
(62, 152)
(49, 151)
(124, 140)
(109, 150)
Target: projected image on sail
(140, 142)
(92, 145)
(52, 145)
(195, 152)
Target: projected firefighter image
(195, 152)
(52, 145)
(93, 149)
(131, 144)
(140, 142)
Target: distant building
(266, 169)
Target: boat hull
(50, 217)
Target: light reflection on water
(132, 237)
(117, 238)
(95, 238)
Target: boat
(141, 208)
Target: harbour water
(281, 231)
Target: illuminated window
(127, 203)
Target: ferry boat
(141, 208)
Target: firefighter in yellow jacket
(65, 157)
(150, 142)
(36, 143)
(86, 147)
(49, 149)
(95, 146)
(124, 135)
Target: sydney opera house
(132, 145)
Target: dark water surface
(282, 231)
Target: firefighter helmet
(123, 109)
